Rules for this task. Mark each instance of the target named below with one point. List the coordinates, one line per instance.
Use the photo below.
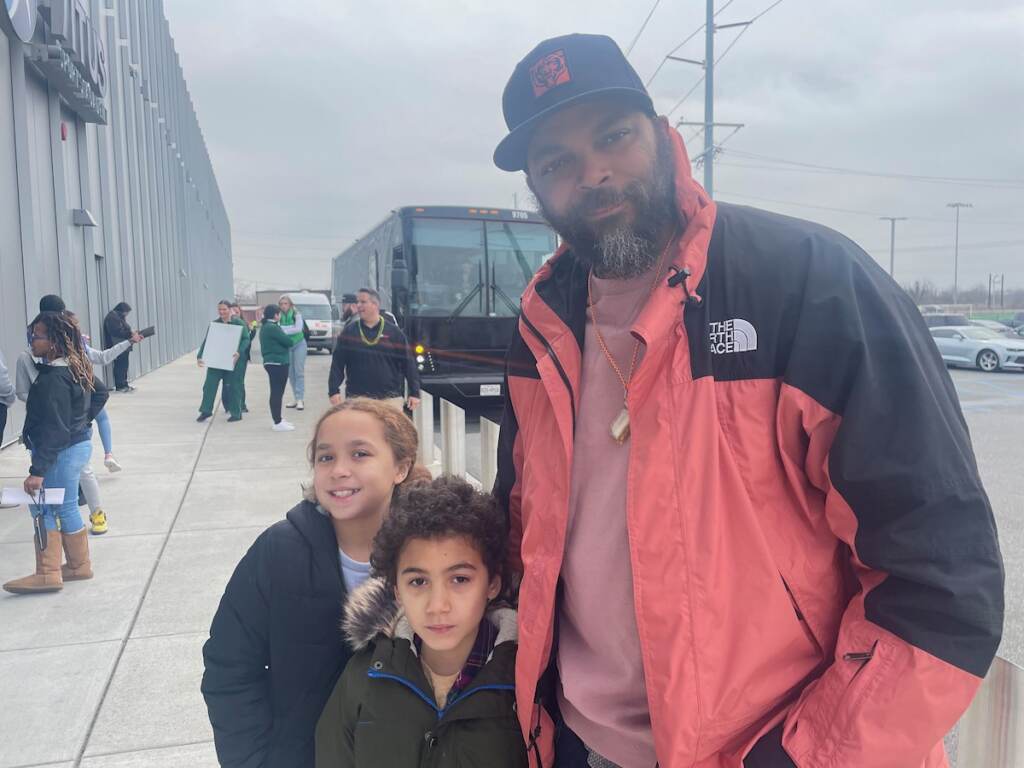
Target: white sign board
(221, 345)
(18, 496)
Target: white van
(316, 312)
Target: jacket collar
(318, 532)
(371, 611)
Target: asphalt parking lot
(993, 404)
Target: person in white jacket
(25, 375)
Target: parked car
(1017, 321)
(978, 347)
(994, 325)
(945, 319)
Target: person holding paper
(26, 374)
(61, 405)
(214, 376)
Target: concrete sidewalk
(105, 674)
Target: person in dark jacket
(273, 655)
(115, 330)
(433, 679)
(375, 356)
(227, 380)
(63, 401)
(274, 346)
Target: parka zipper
(557, 362)
(377, 675)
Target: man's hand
(336, 399)
(33, 484)
(413, 403)
(136, 337)
(201, 363)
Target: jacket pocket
(801, 617)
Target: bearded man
(740, 489)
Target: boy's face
(354, 468)
(444, 588)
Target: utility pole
(708, 155)
(892, 240)
(956, 245)
(709, 99)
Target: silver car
(978, 348)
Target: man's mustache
(606, 197)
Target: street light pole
(956, 245)
(892, 240)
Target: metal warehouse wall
(162, 240)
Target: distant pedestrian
(293, 325)
(243, 361)
(348, 307)
(6, 395)
(217, 376)
(115, 330)
(275, 345)
(374, 355)
(273, 655)
(62, 403)
(26, 374)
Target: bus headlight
(420, 359)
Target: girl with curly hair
(63, 401)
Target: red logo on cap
(549, 72)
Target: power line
(723, 55)
(642, 28)
(998, 183)
(689, 37)
(872, 214)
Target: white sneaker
(111, 464)
(299, 405)
(283, 426)
(292, 405)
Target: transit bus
(453, 278)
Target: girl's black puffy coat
(273, 656)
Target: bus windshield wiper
(465, 302)
(503, 296)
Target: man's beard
(621, 250)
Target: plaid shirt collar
(486, 636)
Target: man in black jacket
(116, 330)
(374, 354)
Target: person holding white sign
(221, 354)
(61, 405)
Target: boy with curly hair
(432, 681)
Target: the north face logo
(732, 336)
(550, 71)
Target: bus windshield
(457, 272)
(515, 251)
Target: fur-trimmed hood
(372, 611)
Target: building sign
(74, 61)
(19, 19)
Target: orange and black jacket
(811, 542)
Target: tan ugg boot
(47, 577)
(76, 551)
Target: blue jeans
(103, 425)
(297, 369)
(64, 474)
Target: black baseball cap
(562, 71)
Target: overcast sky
(322, 116)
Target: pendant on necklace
(620, 426)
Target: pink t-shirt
(603, 697)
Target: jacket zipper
(558, 365)
(440, 712)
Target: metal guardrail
(992, 730)
(451, 458)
